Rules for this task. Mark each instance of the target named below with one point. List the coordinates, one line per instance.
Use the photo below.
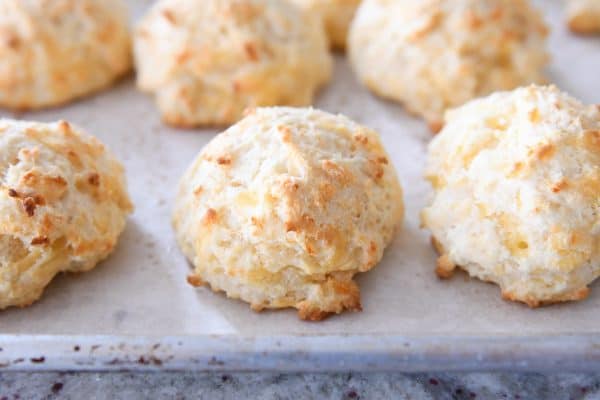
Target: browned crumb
(337, 172)
(169, 16)
(545, 152)
(362, 139)
(210, 217)
(29, 205)
(64, 126)
(13, 42)
(183, 57)
(257, 307)
(445, 267)
(250, 50)
(315, 314)
(560, 185)
(372, 248)
(224, 160)
(534, 116)
(40, 240)
(286, 133)
(436, 126)
(258, 222)
(195, 280)
(94, 179)
(473, 20)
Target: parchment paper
(141, 289)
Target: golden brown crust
(435, 126)
(195, 280)
(533, 302)
(444, 267)
(347, 299)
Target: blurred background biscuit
(583, 16)
(207, 60)
(336, 15)
(432, 55)
(54, 51)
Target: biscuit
(516, 177)
(285, 207)
(63, 204)
(54, 51)
(207, 60)
(336, 15)
(583, 16)
(432, 55)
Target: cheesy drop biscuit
(285, 207)
(432, 55)
(207, 60)
(517, 194)
(55, 51)
(63, 204)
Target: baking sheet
(139, 298)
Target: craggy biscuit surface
(432, 55)
(517, 194)
(54, 51)
(63, 204)
(336, 15)
(285, 207)
(208, 60)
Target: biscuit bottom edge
(315, 300)
(533, 302)
(445, 269)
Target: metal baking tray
(136, 311)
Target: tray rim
(562, 352)
(301, 353)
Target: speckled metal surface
(276, 386)
(135, 311)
